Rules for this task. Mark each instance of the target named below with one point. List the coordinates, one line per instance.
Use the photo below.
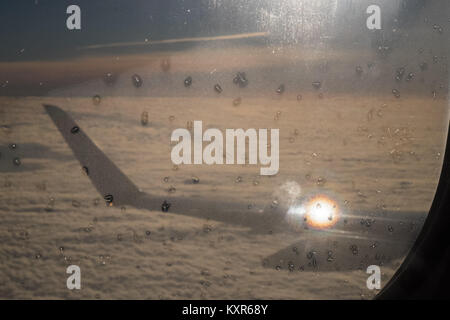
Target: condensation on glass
(88, 180)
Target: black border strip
(425, 273)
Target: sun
(321, 212)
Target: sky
(36, 29)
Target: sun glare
(321, 212)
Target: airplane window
(217, 149)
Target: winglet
(107, 178)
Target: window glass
(121, 154)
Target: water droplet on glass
(291, 267)
(330, 257)
(359, 70)
(109, 79)
(207, 228)
(410, 77)
(75, 204)
(6, 129)
(75, 130)
(165, 65)
(423, 66)
(109, 200)
(137, 80)
(165, 206)
(310, 255)
(195, 180)
(188, 81)
(274, 204)
(280, 89)
(51, 201)
(317, 84)
(144, 118)
(400, 73)
(434, 94)
(321, 181)
(85, 170)
(240, 79)
(218, 88)
(438, 28)
(396, 93)
(96, 99)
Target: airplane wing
(344, 248)
(104, 174)
(118, 189)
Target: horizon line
(177, 40)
